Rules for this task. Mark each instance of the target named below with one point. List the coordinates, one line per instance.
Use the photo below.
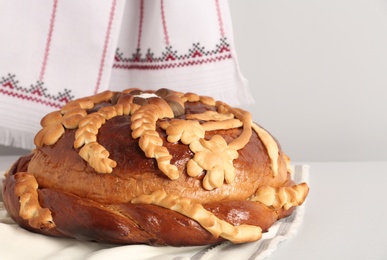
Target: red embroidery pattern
(140, 24)
(220, 19)
(49, 37)
(170, 58)
(166, 36)
(105, 46)
(36, 93)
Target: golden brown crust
(192, 163)
(26, 188)
(282, 197)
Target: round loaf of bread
(152, 167)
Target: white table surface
(345, 213)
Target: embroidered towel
(51, 52)
(55, 51)
(183, 45)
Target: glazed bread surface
(153, 167)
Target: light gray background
(318, 72)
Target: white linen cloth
(54, 51)
(51, 52)
(17, 243)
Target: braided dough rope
(26, 189)
(283, 197)
(144, 127)
(236, 234)
(215, 156)
(86, 136)
(74, 115)
(54, 123)
(52, 129)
